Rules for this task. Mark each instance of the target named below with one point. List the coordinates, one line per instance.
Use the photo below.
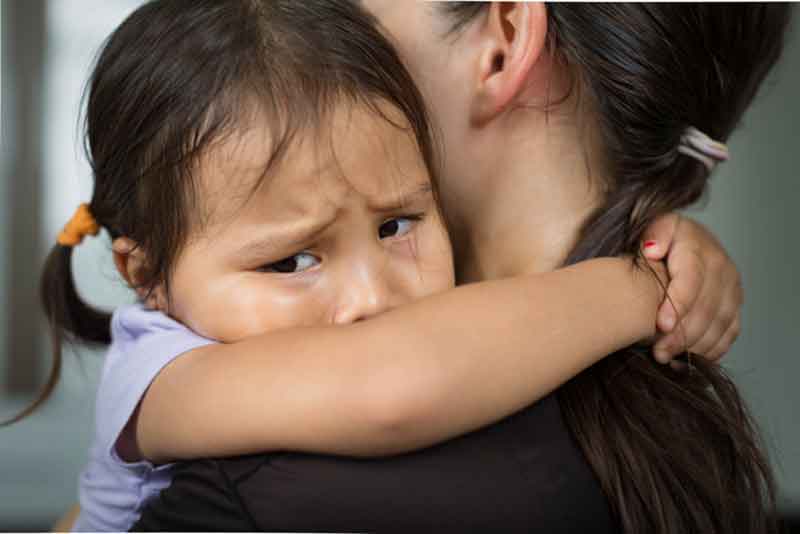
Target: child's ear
(130, 259)
(513, 38)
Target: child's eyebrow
(280, 240)
(403, 200)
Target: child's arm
(411, 377)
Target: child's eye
(293, 264)
(397, 226)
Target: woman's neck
(535, 198)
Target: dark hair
(177, 77)
(673, 451)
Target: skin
(519, 181)
(329, 238)
(332, 236)
(399, 389)
(498, 180)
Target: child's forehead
(355, 151)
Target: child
(265, 166)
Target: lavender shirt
(112, 491)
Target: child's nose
(367, 294)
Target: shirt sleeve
(111, 489)
(143, 343)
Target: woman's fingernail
(649, 244)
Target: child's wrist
(654, 279)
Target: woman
(575, 120)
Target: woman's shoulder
(201, 498)
(524, 473)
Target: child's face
(345, 228)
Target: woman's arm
(411, 377)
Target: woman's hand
(702, 313)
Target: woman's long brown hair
(674, 451)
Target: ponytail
(674, 451)
(70, 318)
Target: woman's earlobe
(514, 37)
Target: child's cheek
(407, 247)
(271, 303)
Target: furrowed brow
(281, 241)
(403, 200)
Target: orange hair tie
(81, 224)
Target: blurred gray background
(47, 51)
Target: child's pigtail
(70, 318)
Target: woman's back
(524, 473)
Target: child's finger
(707, 340)
(657, 238)
(667, 317)
(669, 346)
(726, 342)
(687, 278)
(654, 250)
(678, 365)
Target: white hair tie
(701, 147)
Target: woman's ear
(129, 259)
(512, 41)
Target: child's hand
(705, 289)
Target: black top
(523, 474)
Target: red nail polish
(648, 244)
